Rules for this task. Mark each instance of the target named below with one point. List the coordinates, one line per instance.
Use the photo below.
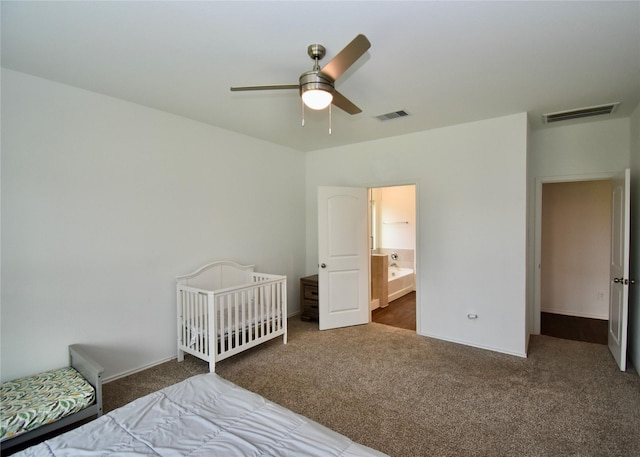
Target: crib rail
(214, 325)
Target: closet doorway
(575, 259)
(392, 241)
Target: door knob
(618, 280)
(323, 265)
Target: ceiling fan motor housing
(316, 80)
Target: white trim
(136, 370)
(479, 346)
(578, 313)
(540, 180)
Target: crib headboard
(218, 275)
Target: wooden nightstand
(309, 298)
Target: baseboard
(136, 370)
(565, 312)
(470, 344)
(400, 293)
(153, 364)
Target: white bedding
(202, 416)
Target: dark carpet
(408, 395)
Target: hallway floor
(574, 328)
(401, 313)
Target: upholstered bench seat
(33, 401)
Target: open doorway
(392, 237)
(575, 253)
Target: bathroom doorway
(392, 241)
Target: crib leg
(180, 355)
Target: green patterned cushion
(27, 403)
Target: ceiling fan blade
(267, 87)
(345, 58)
(344, 103)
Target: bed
(225, 308)
(204, 415)
(45, 402)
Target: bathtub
(401, 282)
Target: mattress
(202, 416)
(30, 402)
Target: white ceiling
(444, 63)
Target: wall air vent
(580, 113)
(394, 115)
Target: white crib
(225, 308)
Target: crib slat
(182, 330)
(274, 302)
(195, 322)
(228, 326)
(223, 323)
(269, 308)
(202, 322)
(205, 322)
(195, 316)
(243, 316)
(251, 319)
(189, 323)
(259, 313)
(236, 324)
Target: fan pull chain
(302, 111)
(329, 118)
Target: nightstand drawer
(309, 298)
(311, 310)
(311, 305)
(310, 292)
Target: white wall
(105, 202)
(471, 208)
(634, 291)
(580, 149)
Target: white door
(343, 256)
(619, 272)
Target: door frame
(534, 317)
(417, 261)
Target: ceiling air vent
(580, 113)
(394, 115)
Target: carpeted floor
(408, 395)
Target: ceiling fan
(317, 87)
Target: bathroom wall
(406, 257)
(396, 223)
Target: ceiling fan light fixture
(316, 90)
(317, 99)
